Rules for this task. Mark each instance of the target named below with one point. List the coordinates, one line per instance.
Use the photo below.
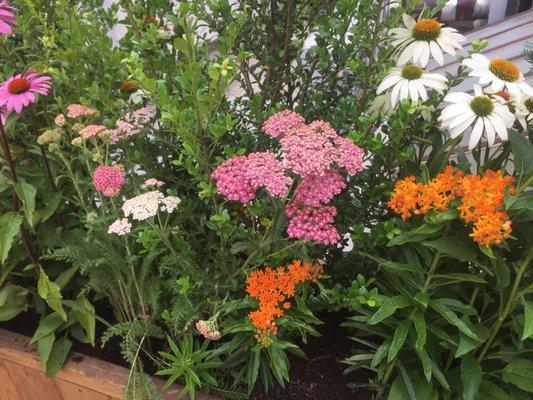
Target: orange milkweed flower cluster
(272, 288)
(481, 199)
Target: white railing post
(497, 10)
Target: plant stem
(508, 306)
(431, 272)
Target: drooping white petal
(476, 133)
(445, 46)
(514, 90)
(458, 97)
(404, 90)
(388, 82)
(436, 52)
(406, 54)
(408, 21)
(499, 126)
(497, 85)
(424, 57)
(394, 94)
(491, 133)
(462, 127)
(413, 90)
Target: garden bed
(82, 377)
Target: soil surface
(321, 376)
(318, 378)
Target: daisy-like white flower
(486, 114)
(19, 90)
(500, 74)
(420, 39)
(7, 18)
(524, 111)
(410, 82)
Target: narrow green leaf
(44, 347)
(85, 314)
(58, 355)
(47, 325)
(528, 319)
(453, 247)
(26, 194)
(452, 318)
(399, 339)
(471, 377)
(420, 327)
(50, 292)
(491, 391)
(9, 228)
(388, 308)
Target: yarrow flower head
(146, 205)
(7, 18)
(59, 120)
(500, 74)
(93, 130)
(315, 190)
(78, 111)
(208, 329)
(240, 177)
(108, 179)
(282, 122)
(312, 223)
(480, 201)
(132, 123)
(272, 288)
(120, 227)
(19, 91)
(51, 137)
(409, 83)
(418, 40)
(152, 182)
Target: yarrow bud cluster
(132, 123)
(78, 111)
(51, 137)
(208, 329)
(313, 152)
(108, 179)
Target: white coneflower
(487, 114)
(410, 82)
(419, 40)
(500, 74)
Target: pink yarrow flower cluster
(132, 123)
(78, 111)
(92, 130)
(7, 18)
(315, 152)
(240, 177)
(208, 329)
(19, 91)
(108, 179)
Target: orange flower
(482, 198)
(272, 287)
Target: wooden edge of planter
(86, 377)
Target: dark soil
(321, 376)
(318, 378)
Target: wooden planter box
(82, 377)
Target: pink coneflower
(19, 91)
(7, 18)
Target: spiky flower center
(411, 72)
(529, 104)
(482, 106)
(18, 86)
(505, 69)
(427, 29)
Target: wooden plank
(8, 390)
(71, 391)
(83, 377)
(31, 383)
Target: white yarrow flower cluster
(170, 203)
(143, 206)
(120, 227)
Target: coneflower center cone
(18, 86)
(482, 106)
(504, 69)
(427, 29)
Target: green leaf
(453, 247)
(491, 391)
(420, 327)
(44, 347)
(502, 272)
(58, 355)
(47, 326)
(399, 339)
(519, 373)
(26, 194)
(523, 155)
(388, 308)
(85, 314)
(528, 319)
(50, 292)
(395, 266)
(452, 318)
(471, 377)
(65, 277)
(52, 203)
(253, 369)
(9, 228)
(466, 344)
